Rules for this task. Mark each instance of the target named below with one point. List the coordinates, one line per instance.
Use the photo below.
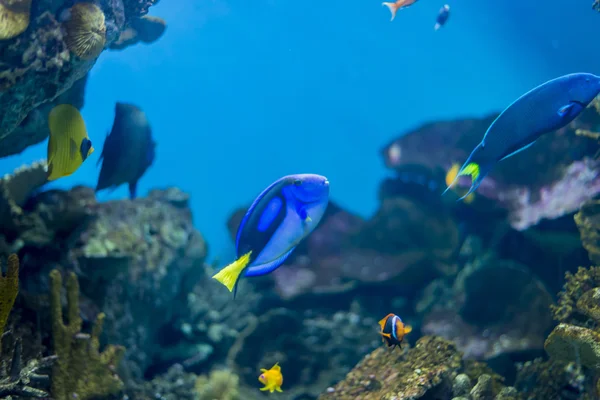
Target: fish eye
(297, 182)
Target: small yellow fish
(450, 176)
(69, 144)
(272, 379)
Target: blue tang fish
(128, 150)
(280, 217)
(544, 109)
(442, 17)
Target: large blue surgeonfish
(128, 150)
(543, 109)
(280, 217)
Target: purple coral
(527, 206)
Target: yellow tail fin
(471, 169)
(229, 275)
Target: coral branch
(81, 372)
(21, 380)
(9, 288)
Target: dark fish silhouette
(128, 150)
(442, 17)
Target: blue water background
(240, 93)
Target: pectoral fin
(303, 214)
(573, 108)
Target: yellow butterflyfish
(68, 145)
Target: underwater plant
(81, 371)
(219, 385)
(9, 288)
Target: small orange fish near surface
(393, 330)
(272, 379)
(395, 6)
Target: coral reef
(577, 337)
(571, 301)
(429, 370)
(15, 16)
(25, 381)
(86, 31)
(34, 128)
(539, 379)
(477, 291)
(220, 385)
(138, 8)
(9, 288)
(495, 308)
(81, 371)
(309, 350)
(210, 325)
(130, 256)
(175, 384)
(588, 222)
(46, 53)
(138, 255)
(573, 343)
(20, 227)
(147, 29)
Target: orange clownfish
(398, 4)
(393, 330)
(272, 379)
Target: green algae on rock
(545, 379)
(219, 385)
(426, 371)
(589, 303)
(588, 222)
(576, 285)
(574, 343)
(15, 17)
(9, 288)
(81, 372)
